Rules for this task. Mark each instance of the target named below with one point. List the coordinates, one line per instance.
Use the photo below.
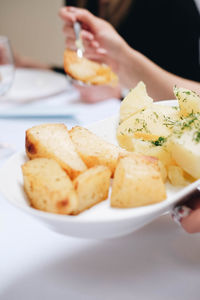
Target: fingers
(180, 212)
(91, 46)
(69, 32)
(67, 16)
(71, 14)
(70, 43)
(87, 37)
(189, 216)
(191, 223)
(89, 24)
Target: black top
(166, 31)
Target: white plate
(101, 221)
(31, 84)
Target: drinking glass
(6, 79)
(6, 65)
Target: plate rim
(26, 99)
(146, 210)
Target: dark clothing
(166, 31)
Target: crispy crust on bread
(48, 187)
(88, 71)
(137, 182)
(53, 141)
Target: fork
(79, 42)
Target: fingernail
(101, 51)
(90, 36)
(95, 44)
(87, 35)
(179, 212)
(71, 9)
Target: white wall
(34, 28)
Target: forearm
(26, 62)
(136, 67)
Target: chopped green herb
(130, 130)
(160, 141)
(196, 136)
(168, 122)
(192, 122)
(187, 92)
(156, 115)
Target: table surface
(159, 261)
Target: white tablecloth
(158, 262)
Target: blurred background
(27, 22)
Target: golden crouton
(53, 141)
(48, 187)
(94, 150)
(88, 71)
(137, 182)
(92, 187)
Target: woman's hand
(104, 44)
(97, 93)
(101, 41)
(189, 216)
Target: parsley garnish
(160, 141)
(187, 92)
(196, 136)
(130, 130)
(156, 115)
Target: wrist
(128, 67)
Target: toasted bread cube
(88, 71)
(92, 187)
(137, 182)
(48, 187)
(94, 150)
(53, 141)
(150, 159)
